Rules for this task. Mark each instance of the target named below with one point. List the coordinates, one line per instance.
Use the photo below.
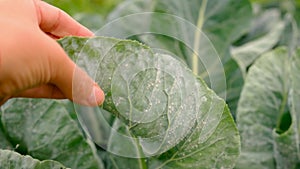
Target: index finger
(56, 22)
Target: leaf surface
(199, 33)
(43, 129)
(4, 143)
(165, 109)
(267, 114)
(12, 160)
(246, 54)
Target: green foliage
(170, 116)
(45, 130)
(11, 159)
(271, 27)
(73, 7)
(211, 19)
(90, 13)
(268, 115)
(158, 111)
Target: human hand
(32, 64)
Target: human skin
(32, 64)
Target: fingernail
(97, 96)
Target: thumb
(73, 82)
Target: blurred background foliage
(93, 13)
(102, 7)
(90, 13)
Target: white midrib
(200, 21)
